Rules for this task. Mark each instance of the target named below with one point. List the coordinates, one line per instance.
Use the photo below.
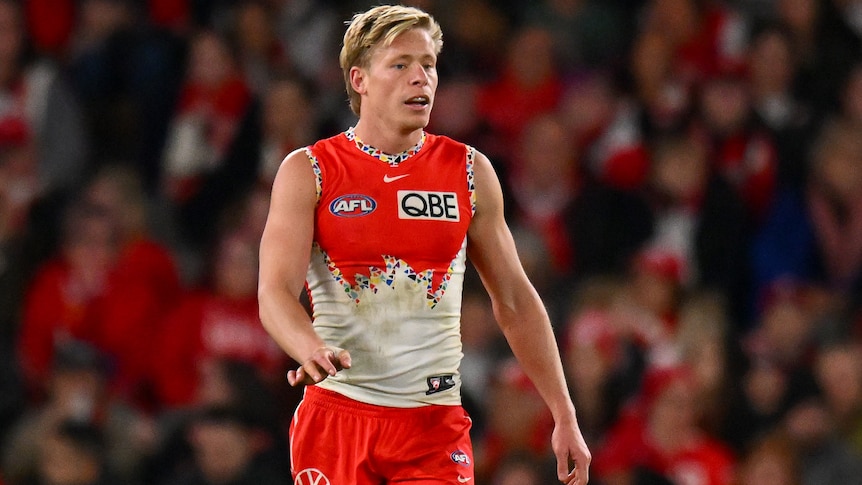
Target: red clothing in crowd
(218, 111)
(617, 153)
(50, 24)
(118, 318)
(628, 447)
(749, 161)
(207, 327)
(228, 100)
(144, 286)
(55, 310)
(719, 46)
(175, 14)
(154, 265)
(508, 105)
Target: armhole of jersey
(318, 178)
(471, 185)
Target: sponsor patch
(428, 206)
(439, 383)
(352, 205)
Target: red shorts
(339, 441)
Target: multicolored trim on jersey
(392, 160)
(318, 175)
(471, 185)
(378, 277)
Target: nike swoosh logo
(387, 178)
(464, 480)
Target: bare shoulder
(294, 191)
(482, 164)
(294, 172)
(489, 194)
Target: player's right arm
(285, 251)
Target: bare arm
(285, 251)
(523, 319)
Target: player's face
(399, 84)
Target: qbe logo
(352, 205)
(311, 476)
(428, 206)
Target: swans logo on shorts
(439, 384)
(460, 457)
(352, 205)
(311, 476)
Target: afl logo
(460, 457)
(311, 476)
(352, 205)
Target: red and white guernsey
(387, 266)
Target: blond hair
(380, 26)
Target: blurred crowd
(683, 179)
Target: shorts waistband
(337, 402)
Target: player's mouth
(418, 102)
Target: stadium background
(683, 178)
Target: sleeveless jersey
(387, 266)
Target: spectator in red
(205, 160)
(741, 151)
(108, 286)
(679, 43)
(217, 322)
(144, 283)
(60, 302)
(698, 216)
(646, 311)
(39, 111)
(119, 190)
(543, 184)
(605, 128)
(659, 437)
(529, 85)
(213, 101)
(702, 36)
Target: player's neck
(385, 138)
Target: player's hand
(573, 457)
(324, 362)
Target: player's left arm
(523, 319)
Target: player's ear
(357, 79)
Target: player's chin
(417, 120)
(416, 123)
